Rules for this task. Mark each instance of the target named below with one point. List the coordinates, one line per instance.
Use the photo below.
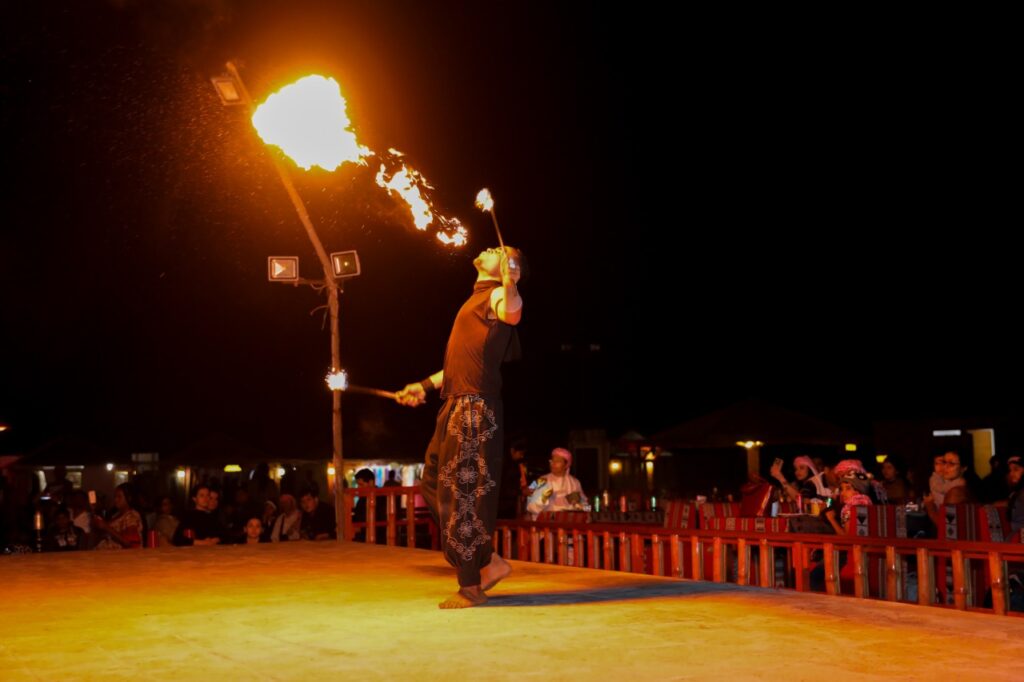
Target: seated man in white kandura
(558, 490)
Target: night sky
(712, 208)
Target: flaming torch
(485, 202)
(337, 380)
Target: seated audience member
(199, 526)
(557, 490)
(253, 532)
(288, 524)
(897, 489)
(166, 522)
(124, 529)
(808, 483)
(854, 491)
(318, 521)
(64, 536)
(954, 488)
(948, 474)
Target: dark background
(811, 210)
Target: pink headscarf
(849, 467)
(822, 489)
(564, 454)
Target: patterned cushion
(750, 524)
(879, 521)
(993, 525)
(961, 522)
(714, 510)
(680, 514)
(567, 517)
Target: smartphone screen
(92, 497)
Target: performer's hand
(509, 269)
(412, 395)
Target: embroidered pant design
(461, 478)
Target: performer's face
(559, 466)
(489, 261)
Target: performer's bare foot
(464, 598)
(494, 572)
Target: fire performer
(462, 472)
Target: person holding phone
(558, 490)
(807, 483)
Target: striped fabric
(749, 524)
(568, 517)
(680, 514)
(714, 510)
(879, 521)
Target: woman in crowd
(808, 483)
(897, 489)
(854, 490)
(124, 529)
(166, 522)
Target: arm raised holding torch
(463, 458)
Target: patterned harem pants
(461, 479)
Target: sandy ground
(305, 611)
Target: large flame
(308, 121)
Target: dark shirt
(808, 491)
(203, 525)
(476, 347)
(510, 493)
(321, 521)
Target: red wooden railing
(875, 567)
(414, 516)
